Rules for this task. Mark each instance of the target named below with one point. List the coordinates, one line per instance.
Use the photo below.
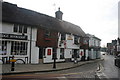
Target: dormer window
(19, 28)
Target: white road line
(62, 78)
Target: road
(83, 72)
(110, 70)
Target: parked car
(103, 54)
(117, 60)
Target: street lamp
(54, 58)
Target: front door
(41, 54)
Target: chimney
(58, 14)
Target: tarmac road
(86, 71)
(110, 70)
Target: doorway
(41, 54)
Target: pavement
(32, 68)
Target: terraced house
(33, 37)
(94, 47)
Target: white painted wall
(48, 58)
(94, 54)
(69, 45)
(98, 55)
(68, 53)
(34, 54)
(0, 26)
(86, 54)
(8, 29)
(91, 54)
(58, 53)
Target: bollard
(13, 63)
(54, 64)
(13, 66)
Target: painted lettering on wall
(13, 36)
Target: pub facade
(33, 37)
(18, 40)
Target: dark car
(117, 60)
(103, 54)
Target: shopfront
(19, 41)
(13, 44)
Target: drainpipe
(30, 44)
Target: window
(54, 53)
(3, 47)
(47, 33)
(25, 29)
(75, 53)
(62, 37)
(76, 40)
(15, 28)
(72, 53)
(18, 48)
(62, 53)
(20, 28)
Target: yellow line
(72, 73)
(16, 75)
(76, 73)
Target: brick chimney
(58, 14)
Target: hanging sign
(69, 37)
(49, 52)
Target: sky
(96, 17)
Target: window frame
(15, 28)
(62, 53)
(76, 39)
(19, 48)
(63, 37)
(19, 28)
(3, 48)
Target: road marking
(78, 72)
(100, 67)
(62, 78)
(72, 73)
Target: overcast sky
(96, 17)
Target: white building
(16, 37)
(68, 41)
(20, 33)
(18, 40)
(94, 47)
(69, 47)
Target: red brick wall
(43, 41)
